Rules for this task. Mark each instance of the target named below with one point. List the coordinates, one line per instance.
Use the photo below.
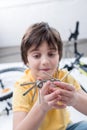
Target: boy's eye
(36, 56)
(51, 54)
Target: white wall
(16, 16)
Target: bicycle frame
(83, 68)
(78, 71)
(77, 63)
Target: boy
(41, 51)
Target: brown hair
(36, 35)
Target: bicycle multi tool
(39, 84)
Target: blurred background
(17, 15)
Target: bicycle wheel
(7, 79)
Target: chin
(42, 77)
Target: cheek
(54, 64)
(33, 64)
(30, 61)
(56, 61)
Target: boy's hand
(50, 96)
(67, 93)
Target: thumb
(46, 87)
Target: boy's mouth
(45, 69)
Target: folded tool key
(39, 84)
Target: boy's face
(42, 59)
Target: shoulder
(61, 73)
(20, 102)
(26, 77)
(19, 88)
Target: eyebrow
(36, 49)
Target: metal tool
(39, 84)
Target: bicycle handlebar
(75, 34)
(76, 61)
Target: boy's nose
(45, 60)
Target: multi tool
(39, 84)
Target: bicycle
(77, 70)
(8, 77)
(73, 40)
(77, 64)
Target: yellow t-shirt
(55, 119)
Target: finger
(53, 102)
(60, 106)
(64, 100)
(64, 85)
(52, 96)
(65, 93)
(47, 88)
